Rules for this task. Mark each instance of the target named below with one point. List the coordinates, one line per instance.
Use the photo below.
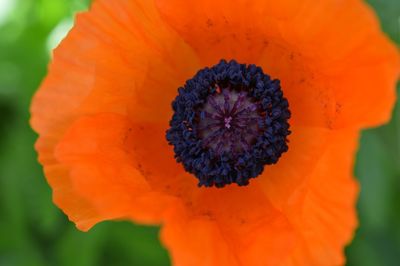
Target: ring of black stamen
(229, 121)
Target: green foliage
(34, 232)
(377, 241)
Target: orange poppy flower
(104, 109)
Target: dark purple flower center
(229, 121)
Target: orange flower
(103, 110)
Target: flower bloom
(281, 92)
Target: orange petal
(103, 110)
(330, 83)
(196, 242)
(365, 96)
(108, 63)
(304, 186)
(100, 168)
(347, 61)
(311, 100)
(119, 58)
(284, 182)
(233, 226)
(222, 29)
(327, 219)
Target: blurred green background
(34, 232)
